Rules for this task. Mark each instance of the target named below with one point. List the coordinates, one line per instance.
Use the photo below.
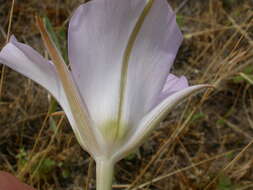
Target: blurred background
(205, 143)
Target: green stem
(104, 170)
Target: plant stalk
(104, 174)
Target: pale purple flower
(120, 53)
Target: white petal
(155, 116)
(152, 57)
(25, 60)
(173, 84)
(98, 35)
(28, 62)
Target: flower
(119, 86)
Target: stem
(104, 170)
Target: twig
(7, 39)
(181, 6)
(246, 77)
(229, 165)
(240, 29)
(161, 151)
(159, 178)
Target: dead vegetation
(205, 143)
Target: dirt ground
(204, 144)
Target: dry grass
(206, 143)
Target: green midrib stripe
(126, 57)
